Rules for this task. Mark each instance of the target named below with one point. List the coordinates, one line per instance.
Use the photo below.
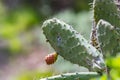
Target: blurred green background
(22, 43)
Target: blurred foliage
(15, 25)
(20, 16)
(114, 64)
(33, 75)
(81, 5)
(17, 22)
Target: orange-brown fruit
(51, 58)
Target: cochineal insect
(51, 58)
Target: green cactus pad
(74, 76)
(71, 45)
(106, 10)
(108, 38)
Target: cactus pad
(71, 45)
(74, 76)
(106, 10)
(108, 38)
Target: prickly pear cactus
(106, 27)
(109, 38)
(71, 45)
(74, 76)
(106, 10)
